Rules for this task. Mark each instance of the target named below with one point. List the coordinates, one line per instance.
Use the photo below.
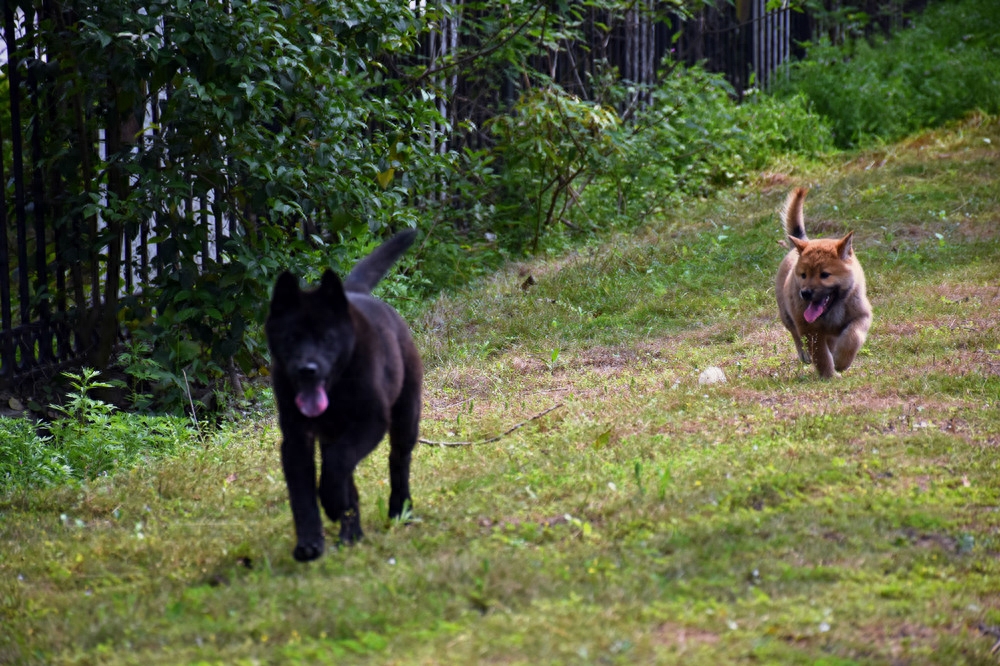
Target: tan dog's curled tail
(795, 225)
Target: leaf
(603, 439)
(384, 178)
(187, 313)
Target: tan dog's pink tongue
(814, 310)
(312, 403)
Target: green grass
(776, 518)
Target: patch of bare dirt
(973, 153)
(912, 414)
(503, 523)
(769, 181)
(680, 637)
(869, 161)
(899, 638)
(467, 383)
(535, 374)
(978, 229)
(768, 334)
(960, 362)
(964, 293)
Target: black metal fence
(58, 295)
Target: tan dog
(821, 294)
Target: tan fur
(812, 271)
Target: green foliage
(568, 163)
(28, 459)
(945, 66)
(774, 126)
(550, 141)
(693, 139)
(280, 117)
(90, 438)
(324, 133)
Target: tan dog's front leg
(803, 354)
(819, 349)
(849, 342)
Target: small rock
(712, 375)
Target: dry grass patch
(680, 638)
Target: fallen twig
(993, 632)
(497, 437)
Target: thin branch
(497, 437)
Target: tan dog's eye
(824, 275)
(803, 276)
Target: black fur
(345, 371)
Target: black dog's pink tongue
(814, 310)
(312, 402)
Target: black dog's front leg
(337, 491)
(299, 464)
(339, 496)
(340, 501)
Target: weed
(90, 438)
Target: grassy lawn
(775, 518)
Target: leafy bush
(550, 142)
(945, 66)
(90, 438)
(283, 119)
(772, 126)
(693, 138)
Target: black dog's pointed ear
(332, 291)
(286, 293)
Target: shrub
(945, 66)
(694, 138)
(550, 143)
(27, 458)
(90, 438)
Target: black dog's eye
(824, 275)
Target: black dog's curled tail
(370, 270)
(791, 213)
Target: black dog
(345, 370)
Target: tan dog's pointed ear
(844, 247)
(799, 244)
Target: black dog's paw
(350, 529)
(401, 510)
(307, 552)
(350, 537)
